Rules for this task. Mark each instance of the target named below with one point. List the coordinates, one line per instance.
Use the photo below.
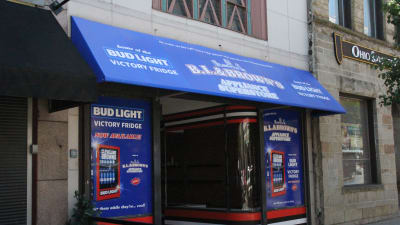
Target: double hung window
(340, 12)
(373, 18)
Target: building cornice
(326, 23)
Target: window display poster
(283, 159)
(121, 156)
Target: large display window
(211, 161)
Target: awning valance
(124, 56)
(37, 59)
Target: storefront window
(196, 167)
(212, 164)
(243, 173)
(355, 142)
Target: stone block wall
(52, 166)
(357, 204)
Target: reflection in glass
(242, 165)
(181, 7)
(355, 143)
(334, 11)
(237, 15)
(368, 19)
(207, 10)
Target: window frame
(344, 13)
(253, 9)
(371, 129)
(375, 18)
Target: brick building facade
(339, 201)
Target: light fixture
(57, 7)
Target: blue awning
(125, 56)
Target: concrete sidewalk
(393, 221)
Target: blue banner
(121, 157)
(283, 159)
(124, 56)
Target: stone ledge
(331, 25)
(362, 188)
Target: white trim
(291, 222)
(29, 164)
(232, 114)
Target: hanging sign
(283, 159)
(121, 158)
(347, 49)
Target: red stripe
(246, 120)
(285, 212)
(236, 107)
(147, 219)
(213, 215)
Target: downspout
(315, 203)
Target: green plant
(82, 212)
(391, 77)
(390, 68)
(392, 8)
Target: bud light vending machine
(107, 172)
(277, 166)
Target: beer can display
(277, 173)
(108, 172)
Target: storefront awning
(37, 59)
(124, 56)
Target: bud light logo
(135, 181)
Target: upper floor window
(373, 18)
(244, 16)
(340, 12)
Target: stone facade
(52, 186)
(336, 203)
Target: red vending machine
(108, 172)
(277, 173)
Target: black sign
(347, 49)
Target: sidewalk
(393, 221)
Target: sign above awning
(124, 56)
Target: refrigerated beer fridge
(277, 165)
(108, 172)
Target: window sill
(362, 188)
(322, 21)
